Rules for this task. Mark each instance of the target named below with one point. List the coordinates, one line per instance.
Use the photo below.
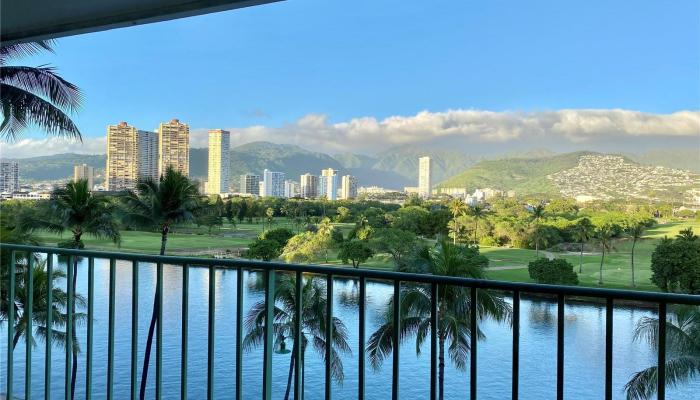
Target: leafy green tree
(453, 308)
(582, 232)
(411, 218)
(604, 235)
(343, 214)
(264, 249)
(313, 325)
(477, 212)
(280, 235)
(635, 230)
(675, 264)
(159, 205)
(35, 96)
(302, 247)
(457, 208)
(682, 351)
(76, 209)
(556, 272)
(356, 251)
(396, 242)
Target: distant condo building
(328, 184)
(122, 157)
(219, 161)
(291, 189)
(272, 184)
(250, 184)
(148, 156)
(174, 146)
(84, 172)
(9, 176)
(308, 186)
(348, 187)
(425, 177)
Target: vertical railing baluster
(10, 323)
(433, 340)
(184, 328)
(269, 333)
(298, 315)
(70, 293)
(516, 346)
(210, 332)
(239, 334)
(134, 329)
(329, 336)
(28, 334)
(560, 347)
(608, 347)
(661, 362)
(110, 337)
(159, 330)
(362, 303)
(49, 325)
(396, 340)
(90, 327)
(473, 340)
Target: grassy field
(507, 264)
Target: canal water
(584, 344)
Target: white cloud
(368, 134)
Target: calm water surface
(584, 343)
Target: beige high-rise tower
(174, 147)
(425, 177)
(85, 172)
(122, 157)
(219, 156)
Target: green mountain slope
(524, 175)
(57, 166)
(403, 160)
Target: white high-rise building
(148, 156)
(328, 184)
(84, 172)
(291, 189)
(9, 176)
(272, 184)
(174, 147)
(425, 178)
(250, 184)
(348, 187)
(308, 186)
(122, 157)
(219, 161)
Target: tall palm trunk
(634, 243)
(602, 259)
(291, 372)
(441, 367)
(152, 326)
(580, 260)
(537, 248)
(476, 227)
(454, 238)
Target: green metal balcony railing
(269, 269)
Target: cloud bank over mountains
(569, 127)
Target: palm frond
(45, 82)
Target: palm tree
(76, 209)
(682, 349)
(325, 228)
(457, 208)
(635, 231)
(269, 213)
(583, 231)
(35, 96)
(159, 205)
(537, 215)
(604, 235)
(478, 212)
(453, 308)
(313, 325)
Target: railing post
(298, 326)
(269, 333)
(10, 323)
(473, 310)
(211, 332)
(110, 338)
(239, 334)
(608, 347)
(134, 329)
(90, 327)
(159, 331)
(49, 326)
(396, 339)
(329, 336)
(516, 346)
(29, 311)
(184, 326)
(70, 293)
(362, 303)
(433, 340)
(661, 362)
(560, 347)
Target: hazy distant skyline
(363, 77)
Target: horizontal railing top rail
(621, 294)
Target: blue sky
(274, 64)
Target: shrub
(557, 271)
